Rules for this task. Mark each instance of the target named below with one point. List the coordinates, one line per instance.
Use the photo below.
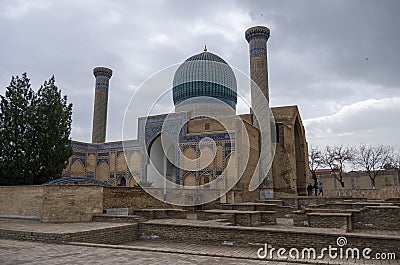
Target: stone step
(271, 201)
(117, 218)
(222, 220)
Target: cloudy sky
(339, 61)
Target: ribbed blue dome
(205, 75)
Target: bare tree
(335, 157)
(315, 161)
(396, 158)
(372, 159)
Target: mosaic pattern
(152, 126)
(257, 38)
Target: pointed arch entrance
(159, 167)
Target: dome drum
(193, 89)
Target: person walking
(316, 188)
(309, 189)
(320, 188)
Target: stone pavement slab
(141, 252)
(22, 252)
(37, 226)
(249, 252)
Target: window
(276, 132)
(279, 133)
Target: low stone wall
(338, 205)
(268, 217)
(284, 211)
(21, 201)
(301, 202)
(384, 193)
(271, 201)
(240, 218)
(112, 235)
(248, 218)
(338, 220)
(215, 215)
(377, 217)
(280, 210)
(304, 201)
(330, 220)
(360, 215)
(116, 218)
(249, 207)
(208, 234)
(126, 197)
(71, 203)
(300, 218)
(160, 213)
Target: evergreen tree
(16, 113)
(34, 133)
(53, 128)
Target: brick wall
(377, 217)
(208, 234)
(268, 217)
(160, 213)
(241, 218)
(111, 235)
(281, 211)
(71, 203)
(300, 218)
(21, 201)
(248, 218)
(116, 218)
(330, 220)
(133, 198)
(382, 217)
(384, 193)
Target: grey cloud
(369, 121)
(317, 50)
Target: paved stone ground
(22, 252)
(37, 226)
(136, 252)
(249, 253)
(148, 253)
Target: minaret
(103, 76)
(257, 38)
